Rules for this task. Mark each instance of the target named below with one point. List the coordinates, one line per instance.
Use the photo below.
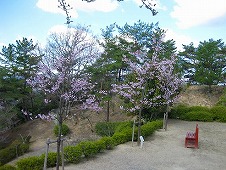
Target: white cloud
(191, 13)
(179, 39)
(98, 5)
(52, 6)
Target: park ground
(166, 150)
(163, 150)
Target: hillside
(197, 95)
(82, 127)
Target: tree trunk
(60, 122)
(139, 119)
(139, 127)
(108, 111)
(165, 119)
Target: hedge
(37, 162)
(73, 154)
(178, 110)
(219, 113)
(7, 167)
(86, 149)
(30, 163)
(106, 128)
(198, 116)
(150, 127)
(123, 133)
(89, 148)
(17, 148)
(199, 113)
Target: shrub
(198, 108)
(51, 159)
(88, 148)
(7, 167)
(30, 163)
(120, 137)
(123, 133)
(150, 127)
(106, 128)
(178, 110)
(73, 154)
(65, 130)
(198, 116)
(219, 113)
(109, 143)
(100, 145)
(123, 125)
(15, 149)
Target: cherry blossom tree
(59, 76)
(153, 82)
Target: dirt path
(165, 150)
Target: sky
(185, 21)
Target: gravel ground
(165, 150)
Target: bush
(100, 145)
(73, 154)
(7, 167)
(51, 159)
(123, 133)
(108, 142)
(65, 130)
(150, 127)
(120, 137)
(88, 148)
(198, 116)
(219, 113)
(15, 149)
(123, 125)
(178, 110)
(106, 128)
(30, 163)
(198, 108)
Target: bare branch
(66, 7)
(146, 3)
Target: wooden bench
(192, 138)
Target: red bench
(192, 138)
